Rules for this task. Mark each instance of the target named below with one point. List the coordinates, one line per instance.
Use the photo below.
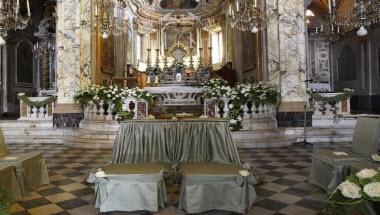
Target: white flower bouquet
(110, 95)
(357, 194)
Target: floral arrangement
(22, 97)
(347, 93)
(5, 201)
(241, 94)
(115, 95)
(356, 193)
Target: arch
(347, 64)
(25, 62)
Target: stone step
(99, 125)
(77, 142)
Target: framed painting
(107, 55)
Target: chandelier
(11, 18)
(110, 17)
(246, 15)
(364, 14)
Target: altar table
(175, 141)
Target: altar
(177, 95)
(175, 141)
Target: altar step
(101, 134)
(282, 137)
(28, 131)
(93, 134)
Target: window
(139, 47)
(217, 47)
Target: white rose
(233, 121)
(100, 174)
(230, 106)
(244, 173)
(350, 190)
(366, 173)
(372, 189)
(21, 94)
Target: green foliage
(5, 201)
(343, 205)
(22, 97)
(347, 93)
(124, 115)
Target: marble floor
(285, 189)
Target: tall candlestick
(165, 43)
(209, 39)
(150, 41)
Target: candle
(329, 6)
(156, 79)
(28, 7)
(150, 41)
(148, 80)
(255, 3)
(191, 40)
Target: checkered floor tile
(285, 189)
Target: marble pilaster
(68, 50)
(85, 43)
(286, 39)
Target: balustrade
(330, 109)
(249, 111)
(104, 111)
(31, 112)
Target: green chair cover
(8, 181)
(356, 167)
(208, 187)
(131, 188)
(31, 170)
(329, 170)
(175, 141)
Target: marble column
(68, 50)
(286, 51)
(67, 114)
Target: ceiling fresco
(178, 4)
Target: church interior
(174, 107)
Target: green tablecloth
(175, 141)
(130, 188)
(208, 187)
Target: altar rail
(30, 112)
(325, 108)
(253, 115)
(104, 111)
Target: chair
(207, 186)
(31, 170)
(8, 181)
(329, 170)
(130, 187)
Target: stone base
(67, 116)
(336, 122)
(294, 119)
(254, 124)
